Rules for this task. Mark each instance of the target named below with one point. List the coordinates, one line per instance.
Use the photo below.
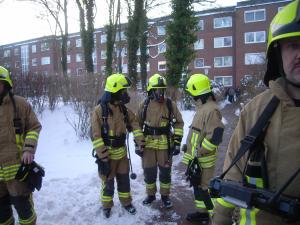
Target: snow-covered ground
(71, 188)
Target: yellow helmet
(4, 75)
(156, 81)
(198, 84)
(285, 24)
(117, 82)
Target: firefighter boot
(198, 217)
(149, 200)
(106, 212)
(166, 201)
(130, 208)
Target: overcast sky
(21, 20)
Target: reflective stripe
(137, 133)
(104, 198)
(124, 194)
(19, 142)
(32, 135)
(258, 182)
(33, 216)
(248, 216)
(166, 186)
(194, 143)
(208, 161)
(224, 203)
(200, 204)
(208, 145)
(9, 172)
(178, 131)
(158, 143)
(117, 153)
(151, 186)
(98, 143)
(10, 221)
(186, 158)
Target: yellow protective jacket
(117, 127)
(205, 134)
(157, 115)
(282, 150)
(12, 141)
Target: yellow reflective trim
(124, 194)
(32, 137)
(9, 172)
(28, 221)
(257, 181)
(186, 158)
(98, 143)
(248, 216)
(10, 221)
(208, 145)
(200, 204)
(151, 186)
(162, 185)
(99, 140)
(178, 131)
(224, 203)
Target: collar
(278, 88)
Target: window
(138, 68)
(223, 22)
(162, 66)
(222, 42)
(248, 77)
(122, 51)
(34, 62)
(224, 80)
(17, 64)
(78, 57)
(103, 69)
(199, 63)
(79, 71)
(103, 38)
(33, 48)
(103, 54)
(16, 51)
(45, 73)
(69, 71)
(123, 36)
(255, 15)
(162, 48)
(161, 30)
(255, 58)
(69, 44)
(45, 46)
(45, 60)
(199, 44)
(255, 37)
(6, 53)
(78, 43)
(200, 25)
(68, 58)
(224, 61)
(124, 68)
(94, 56)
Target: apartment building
(231, 45)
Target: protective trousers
(119, 169)
(203, 201)
(17, 194)
(153, 158)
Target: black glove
(176, 149)
(103, 167)
(139, 153)
(194, 172)
(32, 174)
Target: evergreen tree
(181, 36)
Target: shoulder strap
(124, 110)
(170, 108)
(145, 107)
(105, 113)
(17, 119)
(256, 130)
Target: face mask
(125, 98)
(159, 95)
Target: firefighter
(19, 132)
(205, 135)
(111, 121)
(280, 143)
(162, 126)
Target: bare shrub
(85, 91)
